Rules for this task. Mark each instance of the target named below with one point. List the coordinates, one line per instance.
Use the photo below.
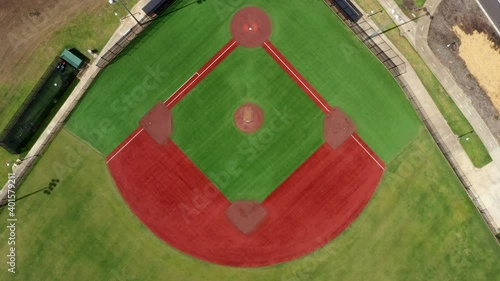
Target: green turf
(172, 49)
(420, 225)
(346, 74)
(321, 48)
(236, 162)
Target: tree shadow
(46, 190)
(166, 13)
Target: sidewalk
(88, 76)
(485, 181)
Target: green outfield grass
(420, 223)
(177, 45)
(238, 163)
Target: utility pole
(124, 6)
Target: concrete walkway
(485, 181)
(88, 76)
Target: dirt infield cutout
(158, 123)
(251, 27)
(338, 128)
(246, 216)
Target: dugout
(155, 7)
(349, 9)
(37, 106)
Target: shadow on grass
(46, 190)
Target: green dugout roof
(68, 56)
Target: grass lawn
(409, 12)
(205, 130)
(476, 150)
(87, 29)
(322, 49)
(472, 144)
(420, 223)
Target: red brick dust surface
(178, 203)
(248, 118)
(337, 127)
(246, 216)
(251, 27)
(158, 123)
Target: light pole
(124, 6)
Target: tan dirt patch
(482, 60)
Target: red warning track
(297, 77)
(180, 205)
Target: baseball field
(129, 207)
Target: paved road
(492, 10)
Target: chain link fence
(396, 67)
(369, 36)
(449, 157)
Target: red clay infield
(251, 27)
(176, 201)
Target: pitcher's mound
(248, 118)
(251, 27)
(246, 215)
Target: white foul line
(180, 93)
(124, 146)
(368, 153)
(217, 59)
(196, 73)
(300, 80)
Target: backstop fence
(396, 67)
